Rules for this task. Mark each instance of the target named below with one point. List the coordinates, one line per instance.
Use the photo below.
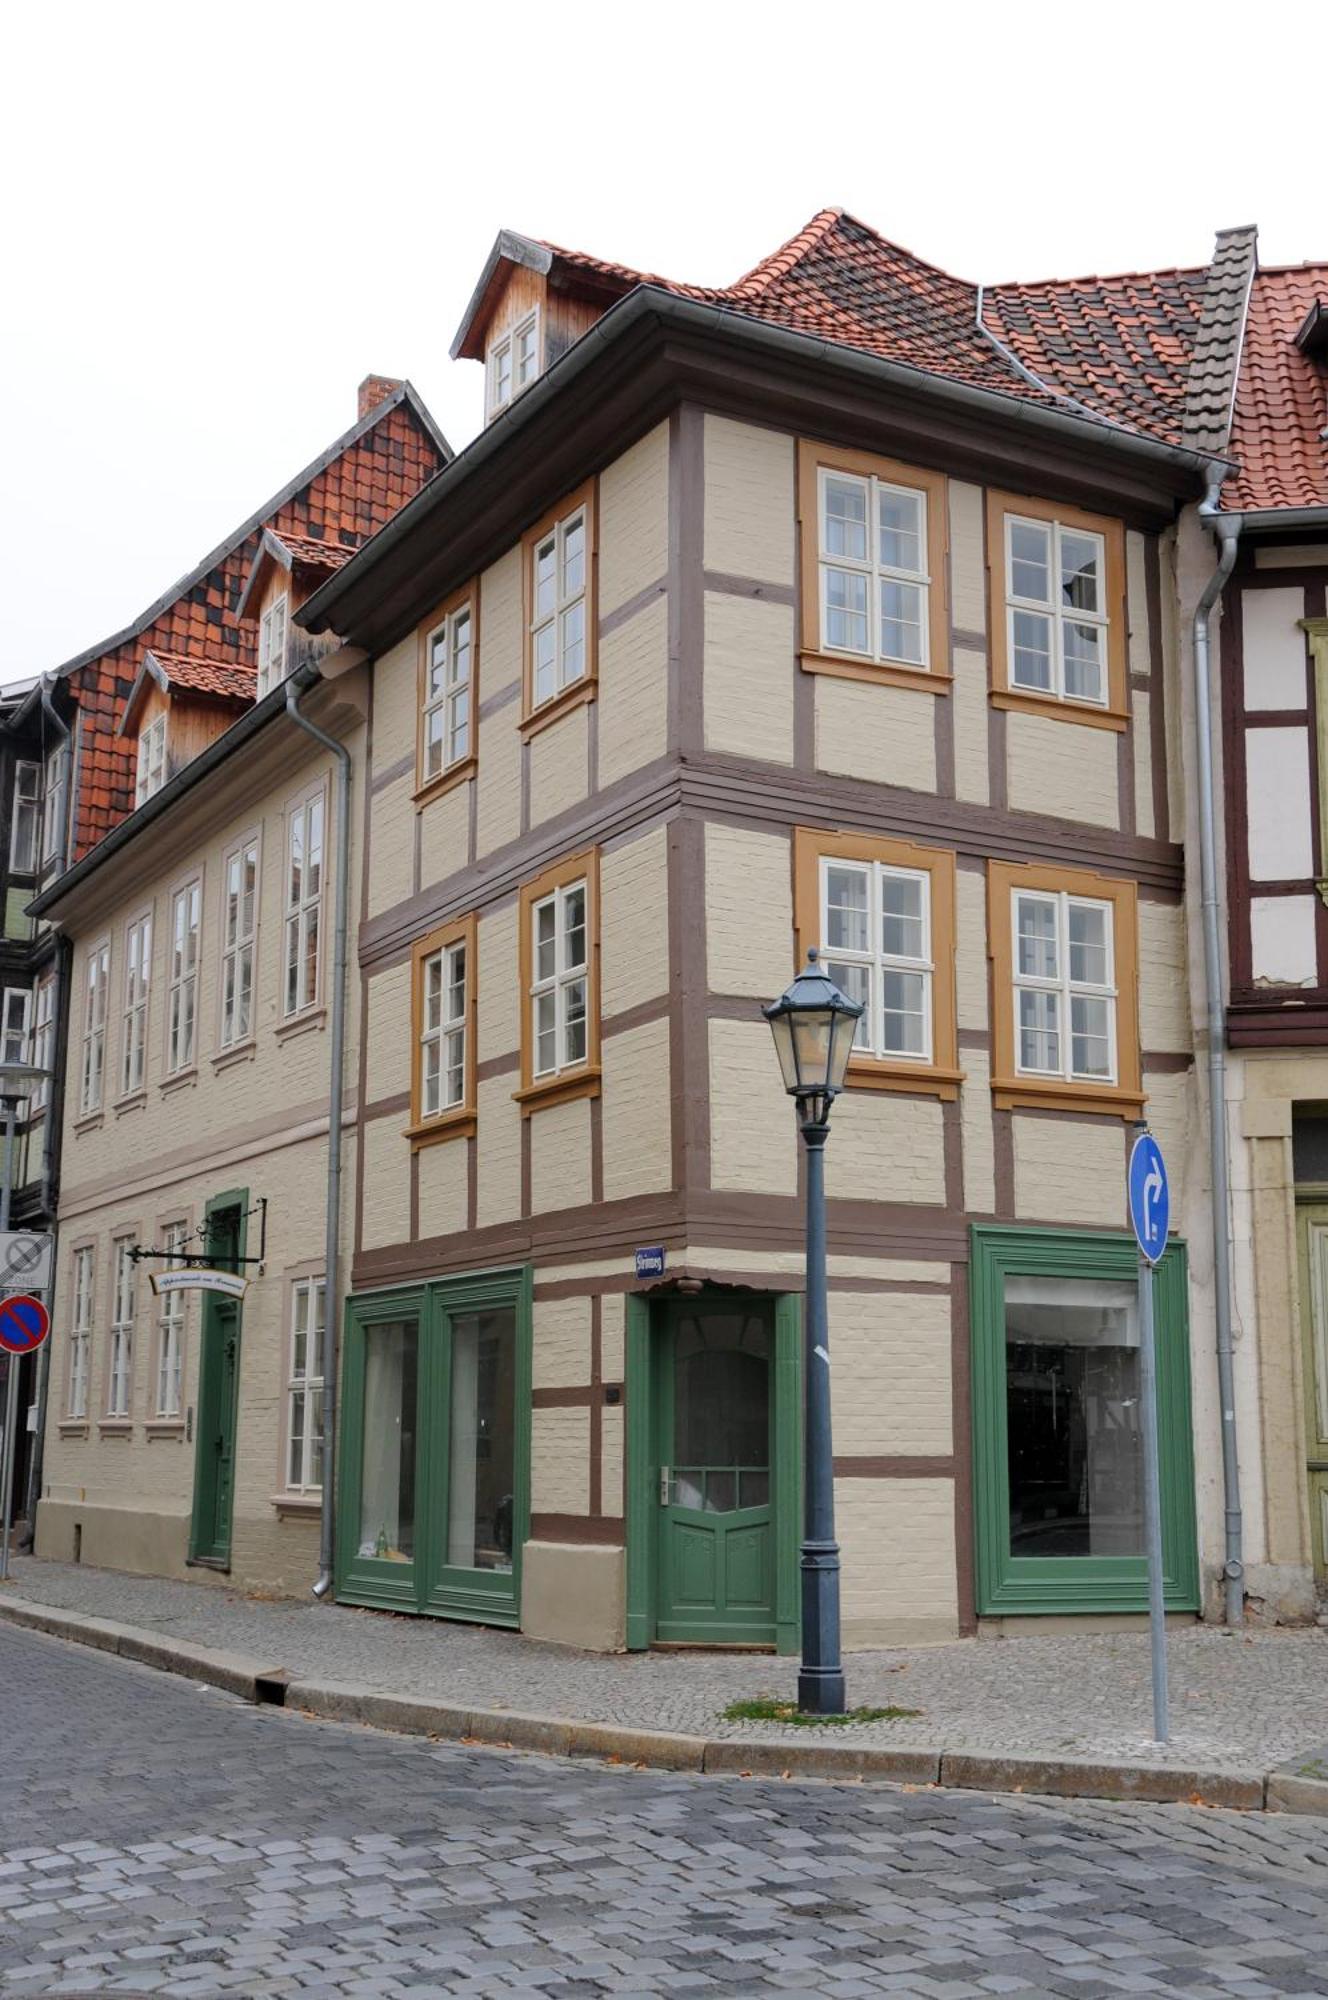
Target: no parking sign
(24, 1324)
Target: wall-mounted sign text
(228, 1282)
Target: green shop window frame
(1010, 1585)
(427, 1583)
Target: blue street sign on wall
(650, 1263)
(1150, 1197)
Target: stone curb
(668, 1750)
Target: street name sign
(650, 1263)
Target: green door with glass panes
(434, 1486)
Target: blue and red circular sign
(24, 1324)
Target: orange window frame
(584, 1079)
(426, 787)
(1115, 714)
(458, 1120)
(535, 718)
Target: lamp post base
(821, 1675)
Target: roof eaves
(150, 668)
(509, 246)
(270, 548)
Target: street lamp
(814, 1026)
(17, 1080)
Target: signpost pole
(11, 1389)
(1157, 1618)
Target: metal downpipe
(1227, 528)
(336, 1093)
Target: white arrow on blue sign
(1150, 1197)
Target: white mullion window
(25, 828)
(558, 995)
(1055, 587)
(121, 1374)
(513, 362)
(446, 722)
(15, 1024)
(443, 1031)
(96, 981)
(558, 599)
(151, 760)
(304, 1392)
(304, 903)
(875, 586)
(182, 1008)
(55, 792)
(1064, 981)
(138, 973)
(80, 1333)
(876, 927)
(170, 1328)
(43, 1040)
(272, 646)
(239, 892)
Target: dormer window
(513, 362)
(272, 646)
(151, 760)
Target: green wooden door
(218, 1393)
(1312, 1232)
(714, 1403)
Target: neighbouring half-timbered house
(837, 607)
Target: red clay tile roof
(226, 679)
(1281, 398)
(311, 554)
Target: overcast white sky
(220, 217)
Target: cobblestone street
(164, 1838)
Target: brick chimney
(376, 389)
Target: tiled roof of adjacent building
(312, 554)
(226, 679)
(1281, 398)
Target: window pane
(1032, 650)
(433, 993)
(1072, 1417)
(1039, 1031)
(574, 922)
(295, 1464)
(575, 1003)
(846, 518)
(456, 982)
(846, 923)
(546, 921)
(903, 927)
(573, 643)
(1090, 1036)
(1083, 661)
(546, 577)
(437, 665)
(904, 1012)
(454, 1076)
(901, 621)
(854, 980)
(1089, 963)
(846, 610)
(461, 647)
(574, 558)
(1030, 561)
(901, 529)
(1080, 564)
(546, 1032)
(387, 1465)
(482, 1459)
(1038, 957)
(544, 650)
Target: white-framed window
(97, 979)
(1065, 990)
(514, 362)
(138, 975)
(875, 586)
(304, 1394)
(1056, 609)
(443, 1030)
(447, 703)
(272, 645)
(182, 1002)
(170, 1329)
(876, 923)
(558, 608)
(14, 1024)
(239, 895)
(561, 948)
(120, 1375)
(151, 759)
(43, 1040)
(55, 804)
(25, 829)
(80, 1332)
(304, 903)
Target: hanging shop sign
(200, 1280)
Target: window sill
(558, 705)
(297, 1506)
(183, 1079)
(312, 1020)
(135, 1100)
(1027, 1094)
(911, 1079)
(73, 1427)
(432, 1131)
(235, 1052)
(446, 781)
(846, 668)
(88, 1122)
(557, 1090)
(115, 1427)
(1059, 711)
(164, 1427)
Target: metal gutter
(1227, 528)
(1255, 519)
(319, 612)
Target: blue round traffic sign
(1150, 1196)
(24, 1324)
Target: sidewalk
(1242, 1704)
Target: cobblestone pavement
(162, 1838)
(1246, 1701)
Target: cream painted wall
(891, 1389)
(750, 510)
(1069, 1170)
(748, 911)
(634, 932)
(749, 669)
(884, 734)
(634, 520)
(633, 699)
(1064, 768)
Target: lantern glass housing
(814, 1026)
